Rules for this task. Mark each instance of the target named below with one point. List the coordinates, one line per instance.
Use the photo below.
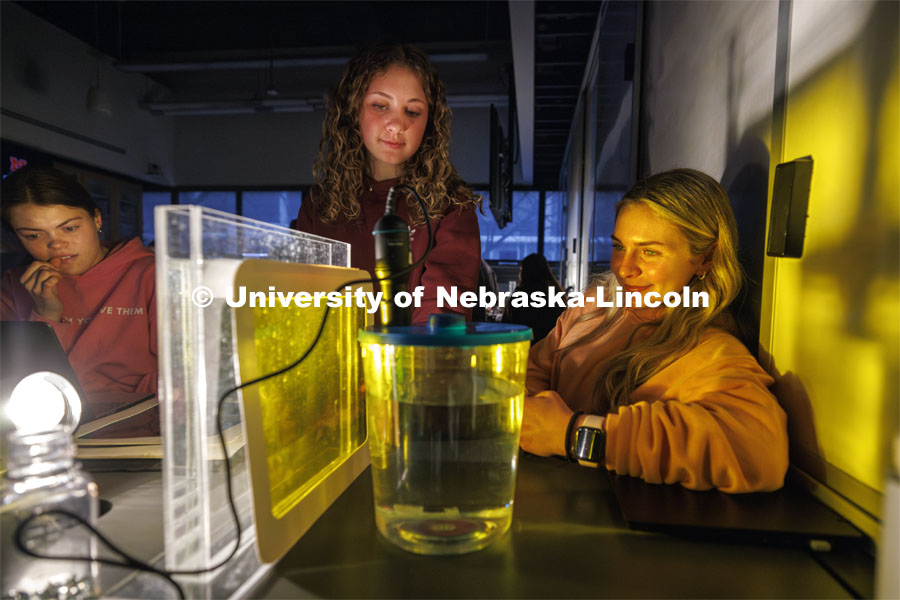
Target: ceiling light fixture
(270, 87)
(97, 101)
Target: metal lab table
(567, 540)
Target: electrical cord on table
(129, 561)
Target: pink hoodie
(108, 327)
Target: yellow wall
(834, 328)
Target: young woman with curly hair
(666, 394)
(388, 124)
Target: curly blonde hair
(341, 162)
(700, 208)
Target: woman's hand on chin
(41, 280)
(544, 424)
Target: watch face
(589, 444)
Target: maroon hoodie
(108, 327)
(455, 259)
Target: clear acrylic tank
(201, 249)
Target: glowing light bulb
(42, 401)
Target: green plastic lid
(446, 330)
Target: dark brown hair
(44, 186)
(537, 275)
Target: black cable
(129, 562)
(513, 133)
(228, 486)
(516, 143)
(142, 566)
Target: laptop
(27, 347)
(790, 516)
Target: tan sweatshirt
(706, 421)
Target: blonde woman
(387, 124)
(665, 394)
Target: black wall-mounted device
(790, 199)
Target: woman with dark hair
(387, 124)
(535, 275)
(99, 299)
(665, 394)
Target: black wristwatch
(590, 442)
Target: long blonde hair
(340, 164)
(699, 207)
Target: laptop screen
(27, 347)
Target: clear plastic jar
(444, 406)
(42, 475)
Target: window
(554, 226)
(224, 201)
(117, 199)
(150, 201)
(602, 223)
(519, 238)
(279, 208)
(100, 192)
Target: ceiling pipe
(178, 108)
(278, 63)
